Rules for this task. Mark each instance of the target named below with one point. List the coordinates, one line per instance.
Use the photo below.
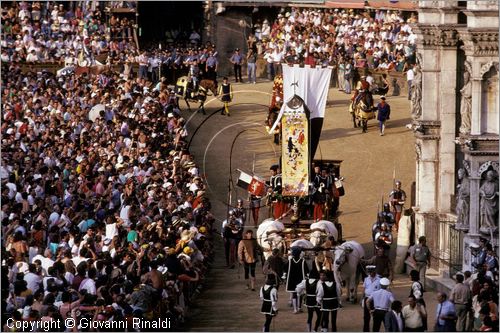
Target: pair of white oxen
(346, 257)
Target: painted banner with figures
(295, 149)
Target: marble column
(476, 106)
(474, 213)
(428, 170)
(448, 127)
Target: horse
(363, 109)
(269, 237)
(184, 89)
(346, 267)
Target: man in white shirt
(414, 315)
(81, 257)
(371, 284)
(33, 279)
(45, 260)
(32, 57)
(268, 56)
(410, 75)
(89, 283)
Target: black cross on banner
(294, 84)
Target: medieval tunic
(269, 297)
(328, 296)
(296, 273)
(311, 293)
(226, 92)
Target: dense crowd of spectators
(44, 31)
(382, 39)
(103, 211)
(77, 33)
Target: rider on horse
(363, 108)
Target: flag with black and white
(311, 84)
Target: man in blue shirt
(379, 303)
(384, 111)
(212, 64)
(371, 284)
(237, 59)
(445, 315)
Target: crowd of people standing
(346, 39)
(103, 210)
(65, 32)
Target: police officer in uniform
(309, 286)
(422, 256)
(328, 295)
(269, 298)
(397, 199)
(380, 303)
(237, 60)
(211, 65)
(371, 284)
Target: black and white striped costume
(269, 297)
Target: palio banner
(295, 149)
(310, 84)
(305, 92)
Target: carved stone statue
(466, 103)
(416, 94)
(463, 196)
(488, 194)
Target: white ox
(269, 237)
(346, 267)
(320, 230)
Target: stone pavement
(369, 163)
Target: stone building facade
(455, 108)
